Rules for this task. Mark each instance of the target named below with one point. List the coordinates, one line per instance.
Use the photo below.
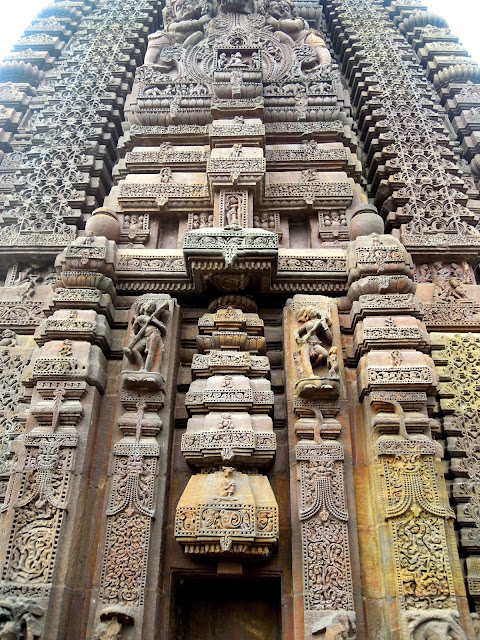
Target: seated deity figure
(184, 22)
(294, 30)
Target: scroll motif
(326, 558)
(417, 521)
(129, 520)
(11, 368)
(40, 508)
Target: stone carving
(129, 517)
(184, 22)
(324, 529)
(35, 530)
(339, 625)
(294, 31)
(145, 349)
(244, 520)
(460, 402)
(233, 208)
(19, 619)
(441, 625)
(314, 339)
(227, 511)
(12, 366)
(112, 621)
(135, 228)
(451, 303)
(417, 521)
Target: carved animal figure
(436, 625)
(108, 630)
(336, 626)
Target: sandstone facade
(239, 382)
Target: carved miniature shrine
(239, 323)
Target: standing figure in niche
(314, 339)
(228, 484)
(146, 346)
(184, 22)
(293, 30)
(232, 214)
(316, 323)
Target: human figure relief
(228, 484)
(448, 283)
(146, 346)
(293, 30)
(232, 210)
(314, 338)
(184, 22)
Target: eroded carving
(314, 338)
(145, 349)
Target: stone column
(406, 524)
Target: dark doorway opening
(218, 608)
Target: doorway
(213, 608)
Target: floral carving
(129, 520)
(323, 515)
(417, 521)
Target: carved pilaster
(395, 380)
(133, 525)
(320, 516)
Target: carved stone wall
(233, 154)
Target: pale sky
(463, 17)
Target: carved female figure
(146, 346)
(232, 207)
(316, 323)
(314, 338)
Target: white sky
(463, 17)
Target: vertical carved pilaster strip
(417, 520)
(12, 363)
(129, 519)
(46, 511)
(457, 357)
(314, 382)
(326, 555)
(134, 516)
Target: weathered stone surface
(226, 471)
